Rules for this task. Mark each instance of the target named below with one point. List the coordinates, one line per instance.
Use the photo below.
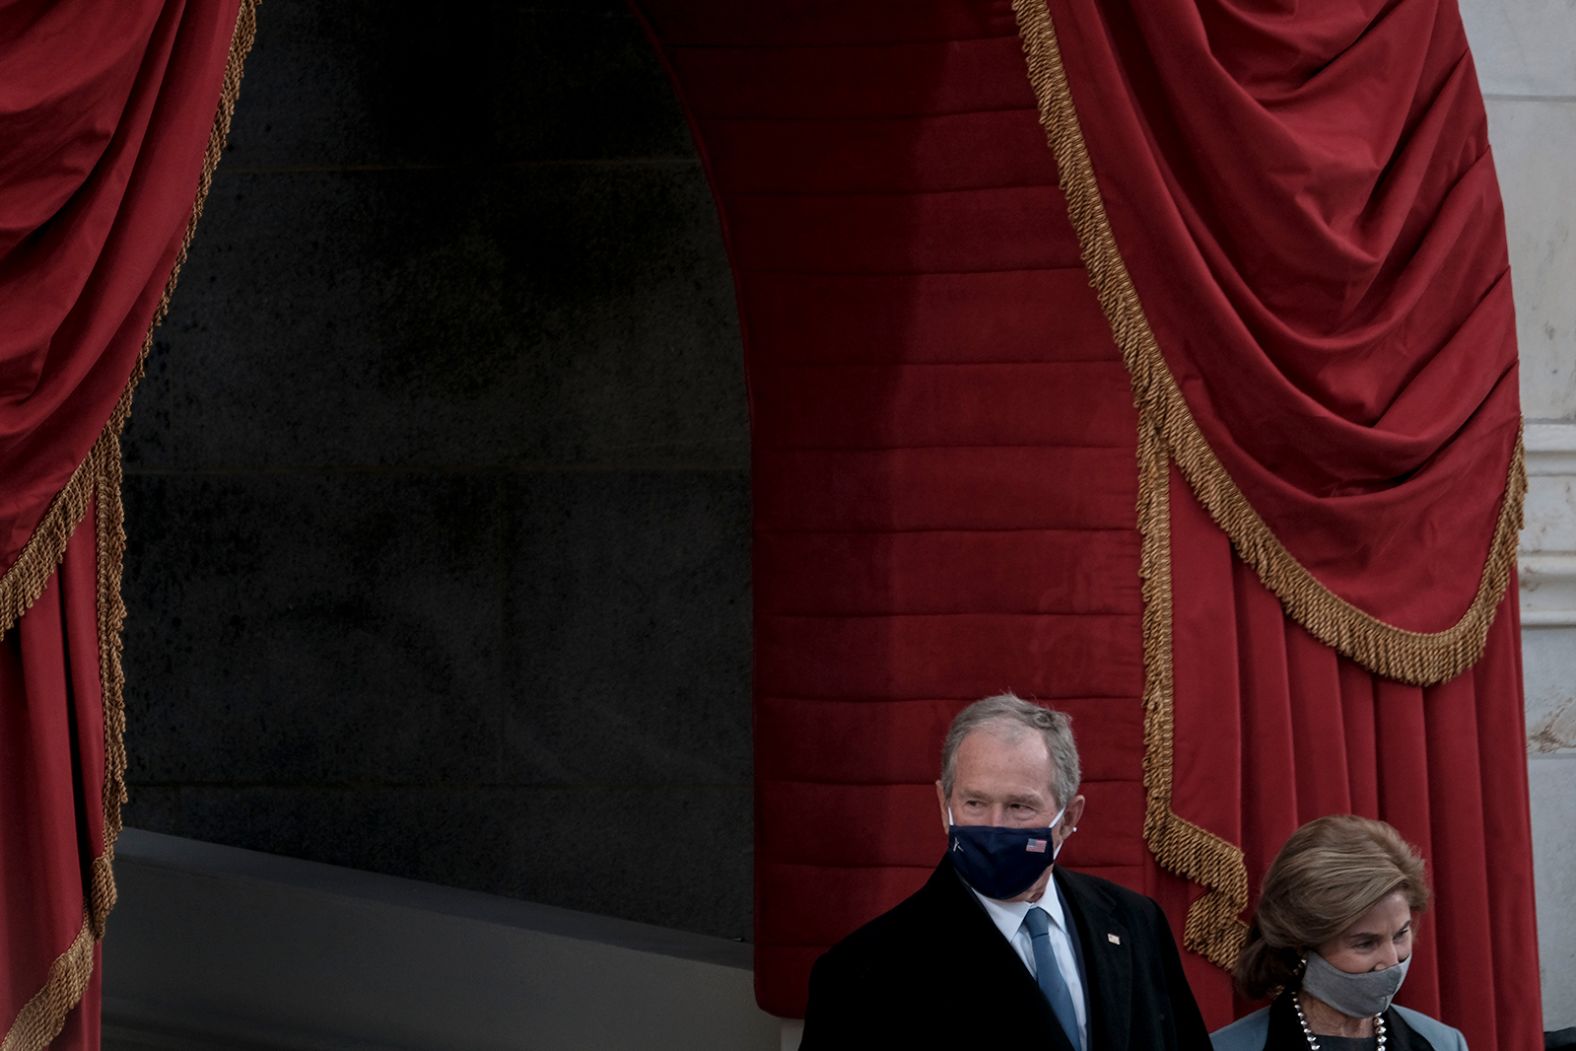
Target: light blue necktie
(1049, 975)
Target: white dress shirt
(1008, 917)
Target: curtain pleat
(51, 804)
(1509, 963)
(1362, 756)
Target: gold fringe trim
(110, 527)
(29, 574)
(41, 1018)
(1212, 927)
(99, 478)
(1418, 658)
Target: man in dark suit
(966, 962)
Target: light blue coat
(1249, 1032)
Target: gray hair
(1017, 715)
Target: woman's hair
(1330, 872)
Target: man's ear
(1074, 815)
(941, 801)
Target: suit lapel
(982, 955)
(1108, 963)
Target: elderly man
(1001, 948)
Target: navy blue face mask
(1001, 862)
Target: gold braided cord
(1415, 657)
(41, 1018)
(98, 479)
(110, 528)
(1212, 928)
(29, 574)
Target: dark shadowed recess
(437, 488)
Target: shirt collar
(1008, 915)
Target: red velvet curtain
(1306, 203)
(1293, 224)
(955, 496)
(53, 804)
(1274, 728)
(114, 116)
(1302, 252)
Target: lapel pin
(1114, 939)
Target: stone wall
(1524, 52)
(437, 488)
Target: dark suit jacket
(936, 972)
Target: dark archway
(437, 488)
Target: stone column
(1523, 50)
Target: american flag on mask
(1035, 846)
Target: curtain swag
(1168, 433)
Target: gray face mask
(1354, 995)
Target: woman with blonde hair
(1331, 942)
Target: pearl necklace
(1313, 1042)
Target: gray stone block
(313, 628)
(629, 626)
(356, 82)
(594, 89)
(442, 318)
